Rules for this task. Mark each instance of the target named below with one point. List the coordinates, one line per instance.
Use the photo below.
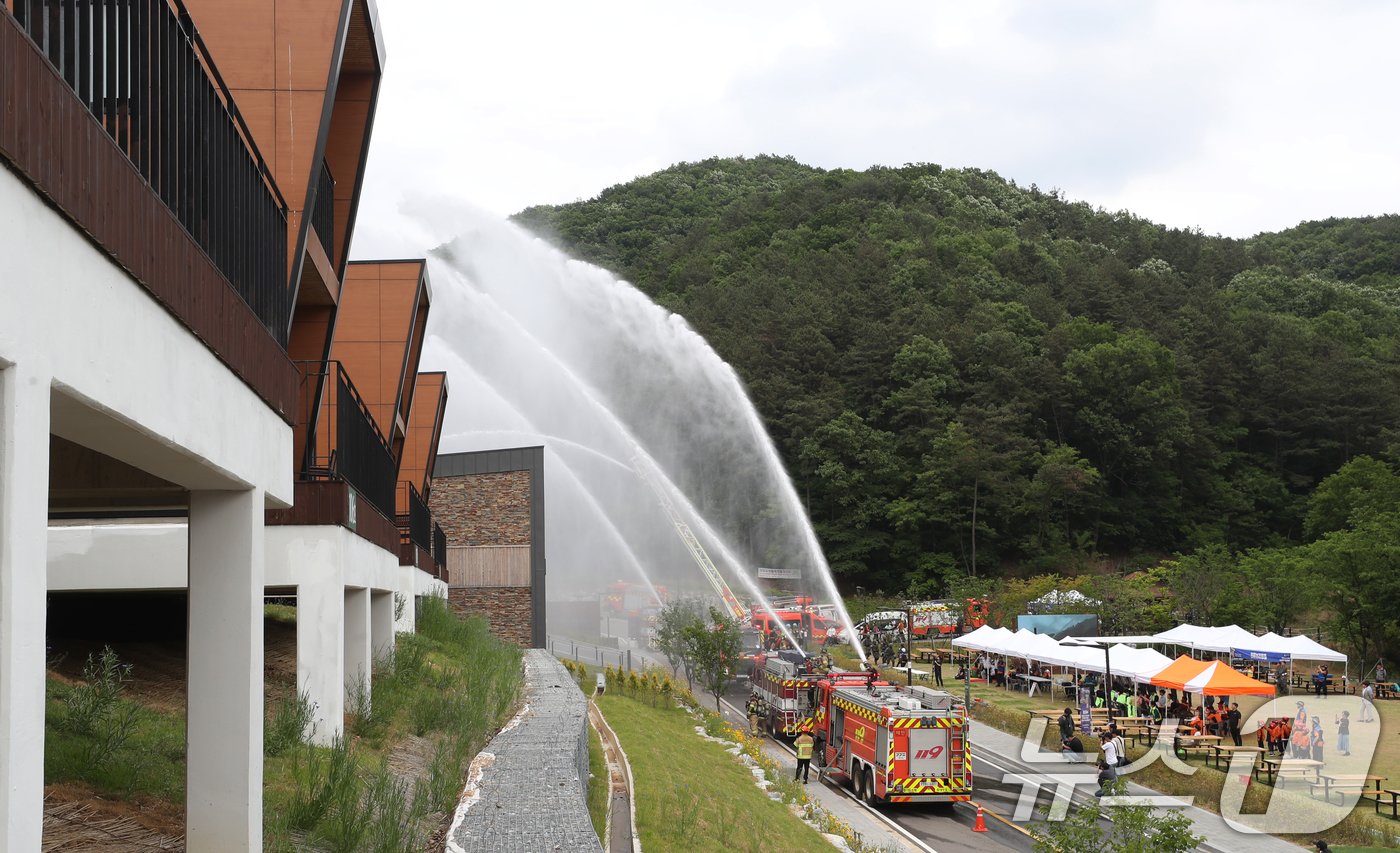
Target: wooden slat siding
(328, 502)
(488, 565)
(50, 139)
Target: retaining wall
(532, 796)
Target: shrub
(290, 724)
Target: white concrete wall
(129, 380)
(119, 556)
(90, 356)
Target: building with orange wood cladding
(200, 395)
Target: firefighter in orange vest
(803, 745)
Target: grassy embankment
(1008, 711)
(691, 793)
(598, 785)
(386, 786)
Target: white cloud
(1234, 117)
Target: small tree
(674, 640)
(1135, 829)
(716, 648)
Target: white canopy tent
(1300, 646)
(1204, 639)
(981, 638)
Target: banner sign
(779, 574)
(1263, 657)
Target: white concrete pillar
(407, 619)
(381, 623)
(358, 658)
(321, 652)
(24, 490)
(224, 723)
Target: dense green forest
(969, 379)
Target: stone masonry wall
(483, 509)
(533, 790)
(507, 609)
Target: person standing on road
(1316, 739)
(1232, 718)
(1344, 733)
(753, 710)
(1368, 700)
(804, 744)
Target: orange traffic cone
(980, 825)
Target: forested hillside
(966, 376)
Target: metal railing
(142, 71)
(439, 547)
(416, 525)
(323, 214)
(343, 441)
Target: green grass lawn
(597, 785)
(692, 795)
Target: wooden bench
(1389, 797)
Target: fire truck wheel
(870, 796)
(858, 782)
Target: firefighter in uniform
(754, 708)
(804, 745)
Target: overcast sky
(1235, 117)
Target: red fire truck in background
(893, 744)
(787, 685)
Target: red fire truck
(894, 744)
(787, 684)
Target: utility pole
(967, 682)
(909, 643)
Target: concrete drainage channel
(621, 828)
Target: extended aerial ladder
(643, 467)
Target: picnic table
(1197, 743)
(1279, 767)
(1032, 682)
(1346, 781)
(1387, 797)
(926, 656)
(1134, 721)
(1221, 750)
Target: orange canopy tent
(1218, 679)
(1179, 671)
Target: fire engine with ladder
(786, 683)
(893, 744)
